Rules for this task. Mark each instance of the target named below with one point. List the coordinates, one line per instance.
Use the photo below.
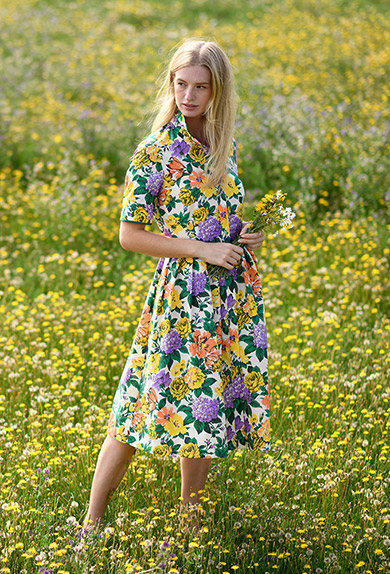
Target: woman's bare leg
(112, 464)
(194, 473)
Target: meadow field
(78, 81)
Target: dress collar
(179, 120)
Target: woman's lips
(189, 107)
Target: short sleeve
(143, 183)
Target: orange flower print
(175, 167)
(164, 415)
(222, 211)
(265, 402)
(171, 421)
(144, 324)
(233, 334)
(152, 398)
(219, 334)
(204, 347)
(255, 281)
(152, 152)
(169, 287)
(264, 431)
(138, 415)
(197, 177)
(162, 196)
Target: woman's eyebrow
(198, 83)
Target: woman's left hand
(251, 240)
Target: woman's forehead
(197, 74)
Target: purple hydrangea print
(125, 375)
(236, 389)
(161, 378)
(234, 225)
(149, 209)
(209, 229)
(171, 342)
(196, 283)
(205, 409)
(180, 148)
(229, 433)
(260, 335)
(230, 301)
(238, 423)
(160, 264)
(155, 182)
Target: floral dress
(195, 383)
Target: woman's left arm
(251, 240)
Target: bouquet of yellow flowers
(268, 213)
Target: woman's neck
(196, 128)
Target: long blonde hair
(220, 114)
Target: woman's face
(192, 88)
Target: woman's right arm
(134, 237)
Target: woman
(195, 384)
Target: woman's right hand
(224, 254)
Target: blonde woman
(195, 384)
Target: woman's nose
(189, 94)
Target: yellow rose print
(168, 182)
(163, 450)
(250, 306)
(254, 381)
(165, 326)
(173, 223)
(200, 214)
(141, 215)
(197, 153)
(186, 197)
(128, 195)
(178, 368)
(189, 450)
(165, 139)
(217, 365)
(183, 327)
(179, 388)
(194, 378)
(160, 306)
(243, 318)
(140, 159)
(181, 263)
